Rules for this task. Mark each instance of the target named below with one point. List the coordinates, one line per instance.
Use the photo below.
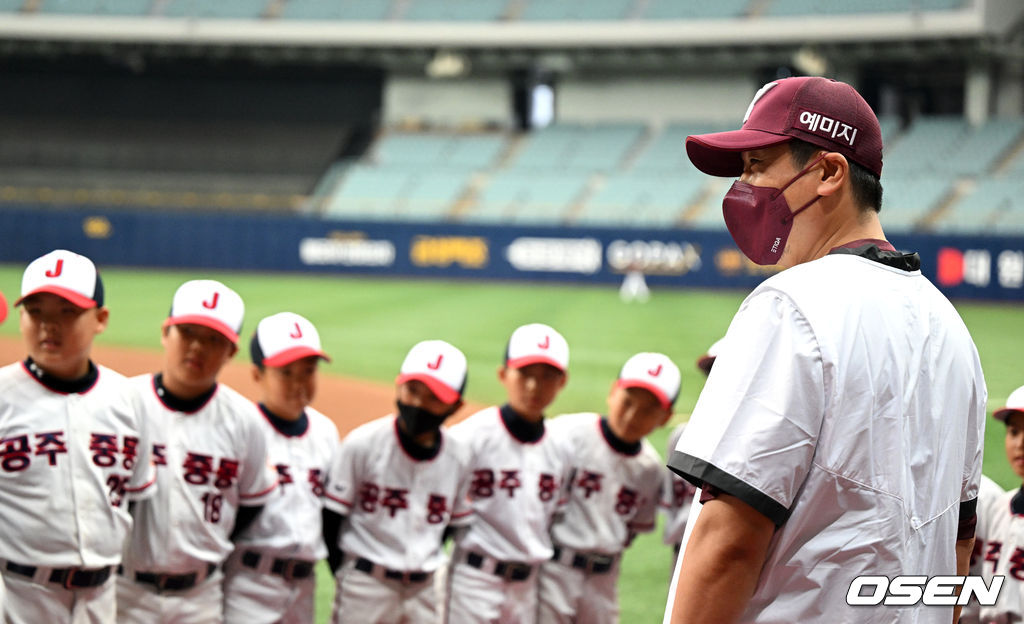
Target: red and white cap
(1014, 403)
(3, 308)
(210, 304)
(823, 112)
(65, 274)
(537, 343)
(439, 365)
(282, 338)
(653, 372)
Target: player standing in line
(841, 431)
(212, 471)
(614, 493)
(519, 475)
(990, 505)
(1002, 528)
(269, 578)
(73, 450)
(399, 482)
(677, 494)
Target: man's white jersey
(208, 463)
(1001, 527)
(397, 506)
(676, 496)
(290, 522)
(516, 489)
(68, 462)
(612, 495)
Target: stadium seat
(676, 9)
(455, 10)
(909, 200)
(642, 199)
(556, 10)
(355, 10)
(790, 8)
(95, 7)
(232, 9)
(432, 193)
(370, 192)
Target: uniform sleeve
(756, 425)
(142, 482)
(257, 479)
(462, 510)
(975, 442)
(339, 492)
(645, 518)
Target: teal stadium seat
(346, 10)
(926, 142)
(682, 10)
(990, 206)
(456, 10)
(11, 6)
(528, 197)
(221, 9)
(642, 199)
(909, 199)
(370, 193)
(560, 10)
(433, 193)
(96, 7)
(791, 8)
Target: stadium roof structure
(982, 29)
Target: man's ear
(102, 318)
(834, 174)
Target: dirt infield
(348, 402)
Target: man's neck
(866, 226)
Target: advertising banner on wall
(979, 267)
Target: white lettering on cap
(757, 96)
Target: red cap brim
(658, 393)
(288, 356)
(78, 299)
(718, 154)
(205, 321)
(440, 389)
(526, 360)
(1001, 414)
(3, 308)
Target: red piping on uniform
(143, 486)
(258, 494)
(338, 500)
(463, 514)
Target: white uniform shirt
(516, 489)
(290, 524)
(992, 511)
(208, 462)
(397, 507)
(848, 406)
(67, 464)
(676, 497)
(612, 494)
(1003, 555)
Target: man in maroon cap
(839, 435)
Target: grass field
(368, 325)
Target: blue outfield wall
(982, 267)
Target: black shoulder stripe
(699, 472)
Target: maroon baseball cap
(820, 111)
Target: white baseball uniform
(518, 484)
(614, 494)
(676, 497)
(991, 507)
(847, 406)
(397, 499)
(211, 458)
(270, 576)
(71, 455)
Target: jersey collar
(1017, 503)
(414, 450)
(617, 443)
(290, 428)
(882, 252)
(176, 403)
(64, 386)
(521, 429)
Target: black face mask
(418, 420)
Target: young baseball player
(677, 494)
(519, 474)
(1001, 524)
(269, 577)
(73, 451)
(212, 471)
(615, 491)
(990, 506)
(399, 481)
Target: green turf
(369, 324)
